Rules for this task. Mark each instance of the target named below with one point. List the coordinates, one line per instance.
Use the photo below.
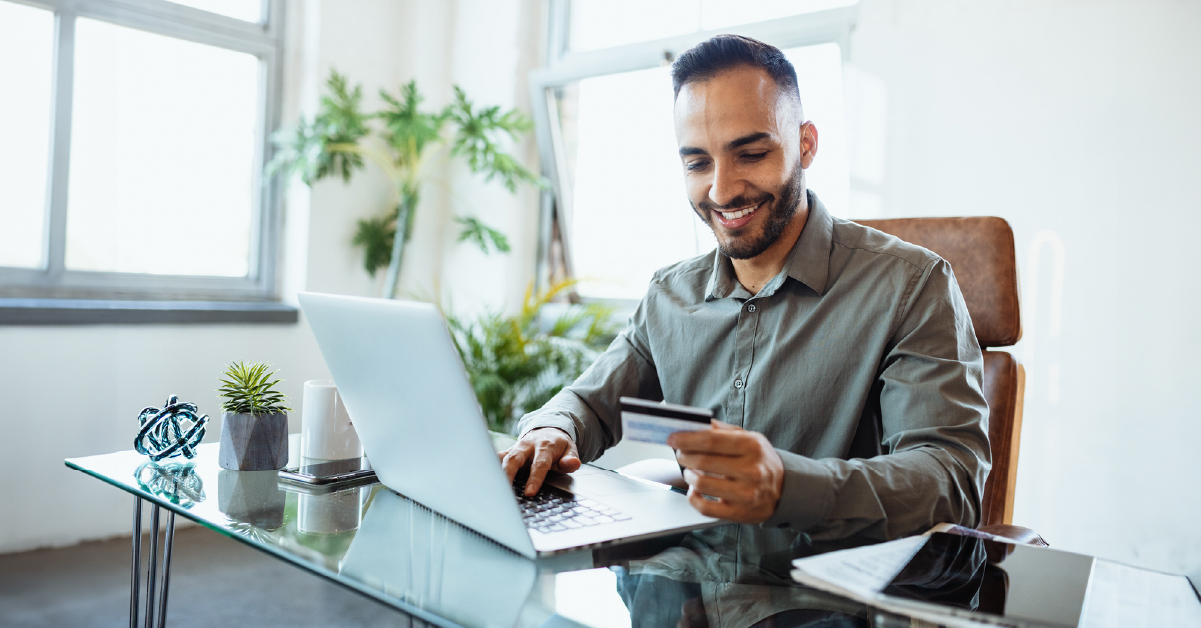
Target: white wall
(1078, 122)
(76, 391)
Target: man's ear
(808, 144)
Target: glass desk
(381, 545)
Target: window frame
(565, 66)
(53, 281)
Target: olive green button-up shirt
(858, 362)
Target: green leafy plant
(249, 389)
(398, 139)
(517, 363)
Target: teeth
(738, 214)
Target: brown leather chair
(982, 255)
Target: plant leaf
(305, 148)
(515, 366)
(407, 129)
(482, 235)
(249, 389)
(375, 236)
(479, 136)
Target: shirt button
(751, 308)
(737, 383)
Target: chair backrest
(981, 252)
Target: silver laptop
(404, 386)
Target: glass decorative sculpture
(162, 435)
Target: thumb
(718, 425)
(569, 463)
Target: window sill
(104, 312)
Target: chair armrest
(1015, 533)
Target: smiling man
(840, 362)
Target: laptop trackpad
(597, 483)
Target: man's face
(744, 151)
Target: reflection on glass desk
(382, 545)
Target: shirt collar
(808, 262)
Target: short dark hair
(723, 52)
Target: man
(840, 362)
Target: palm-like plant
(249, 389)
(398, 139)
(517, 363)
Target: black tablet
(1007, 583)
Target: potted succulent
(254, 425)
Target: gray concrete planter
(253, 442)
(252, 497)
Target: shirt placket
(744, 357)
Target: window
(604, 112)
(134, 135)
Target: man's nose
(727, 186)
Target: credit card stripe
(699, 416)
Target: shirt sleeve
(934, 421)
(589, 410)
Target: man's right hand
(543, 449)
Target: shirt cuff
(551, 420)
(807, 494)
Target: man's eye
(755, 156)
(696, 165)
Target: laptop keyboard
(556, 510)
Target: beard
(781, 208)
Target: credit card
(651, 422)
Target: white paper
(1128, 597)
(864, 571)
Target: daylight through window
(134, 141)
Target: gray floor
(214, 582)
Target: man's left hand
(732, 473)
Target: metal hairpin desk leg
(164, 585)
(167, 543)
(153, 560)
(137, 562)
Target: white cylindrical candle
(326, 432)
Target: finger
(569, 462)
(709, 441)
(729, 491)
(738, 467)
(709, 507)
(718, 425)
(723, 441)
(543, 459)
(515, 459)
